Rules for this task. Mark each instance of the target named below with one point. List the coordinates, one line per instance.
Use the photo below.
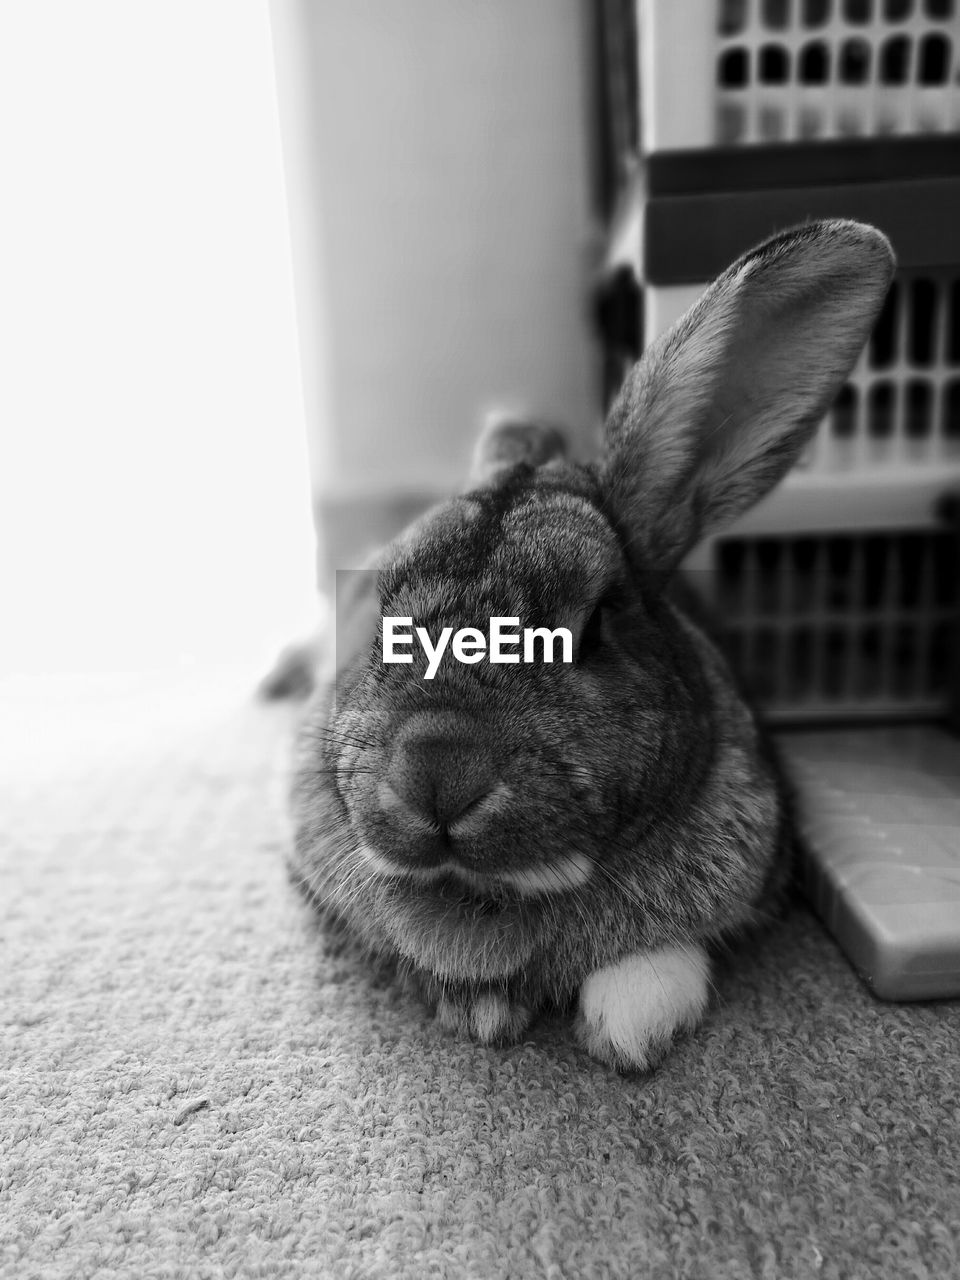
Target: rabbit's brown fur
(521, 835)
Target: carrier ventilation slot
(803, 69)
(849, 625)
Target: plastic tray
(879, 811)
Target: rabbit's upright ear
(510, 439)
(721, 406)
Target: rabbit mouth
(559, 875)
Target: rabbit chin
(557, 876)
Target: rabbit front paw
(488, 1016)
(631, 1011)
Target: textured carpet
(195, 1083)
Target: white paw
(630, 1011)
(488, 1017)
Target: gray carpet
(195, 1083)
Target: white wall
(438, 184)
(154, 497)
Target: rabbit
(583, 836)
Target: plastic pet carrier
(742, 72)
(840, 592)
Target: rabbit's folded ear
(721, 406)
(508, 440)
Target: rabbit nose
(438, 772)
